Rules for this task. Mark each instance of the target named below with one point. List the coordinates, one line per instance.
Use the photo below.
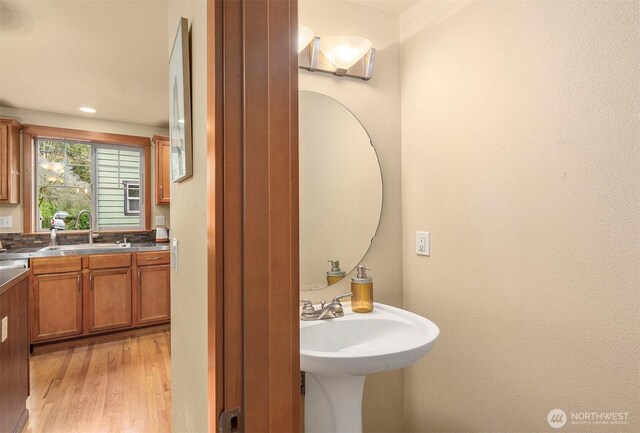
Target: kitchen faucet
(91, 233)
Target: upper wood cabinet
(9, 161)
(163, 174)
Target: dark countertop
(10, 277)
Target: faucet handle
(307, 306)
(337, 298)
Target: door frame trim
(252, 189)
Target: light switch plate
(423, 243)
(5, 328)
(6, 222)
(159, 220)
(174, 254)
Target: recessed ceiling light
(88, 109)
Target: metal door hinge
(230, 421)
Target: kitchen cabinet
(56, 306)
(109, 298)
(14, 351)
(163, 167)
(78, 296)
(10, 161)
(154, 302)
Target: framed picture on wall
(181, 160)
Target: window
(131, 198)
(105, 179)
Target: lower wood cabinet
(14, 357)
(106, 293)
(56, 306)
(154, 302)
(109, 299)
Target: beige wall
(376, 104)
(521, 128)
(85, 123)
(189, 226)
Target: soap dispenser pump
(336, 274)
(362, 289)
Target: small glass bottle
(53, 243)
(336, 274)
(362, 289)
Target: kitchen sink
(83, 247)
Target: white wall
(376, 103)
(43, 118)
(189, 226)
(521, 131)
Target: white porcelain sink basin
(385, 339)
(336, 354)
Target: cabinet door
(109, 299)
(56, 307)
(4, 162)
(154, 301)
(163, 183)
(10, 162)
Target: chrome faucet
(92, 235)
(331, 310)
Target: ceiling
(59, 55)
(396, 6)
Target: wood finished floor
(117, 386)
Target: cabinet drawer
(153, 258)
(56, 265)
(107, 261)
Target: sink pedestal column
(333, 404)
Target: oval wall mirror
(340, 191)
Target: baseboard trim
(23, 421)
(41, 348)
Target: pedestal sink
(337, 354)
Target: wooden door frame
(252, 188)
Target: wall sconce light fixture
(305, 36)
(344, 56)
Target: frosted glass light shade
(344, 51)
(305, 36)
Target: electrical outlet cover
(6, 222)
(423, 243)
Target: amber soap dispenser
(336, 274)
(362, 289)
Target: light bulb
(305, 36)
(344, 51)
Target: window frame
(30, 135)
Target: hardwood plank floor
(117, 386)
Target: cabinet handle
(152, 258)
(79, 283)
(91, 282)
(139, 279)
